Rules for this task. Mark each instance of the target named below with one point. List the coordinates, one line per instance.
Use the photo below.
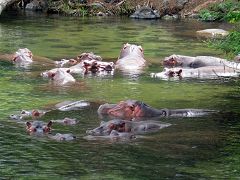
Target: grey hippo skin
(131, 59)
(198, 61)
(133, 109)
(63, 137)
(116, 126)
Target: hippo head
(89, 56)
(106, 128)
(59, 76)
(168, 73)
(172, 61)
(23, 56)
(128, 109)
(68, 62)
(131, 49)
(38, 127)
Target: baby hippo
(63, 137)
(38, 127)
(131, 59)
(23, 56)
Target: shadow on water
(191, 148)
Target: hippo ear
(29, 124)
(49, 124)
(179, 72)
(52, 75)
(141, 49)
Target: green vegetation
(76, 8)
(226, 11)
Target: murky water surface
(205, 147)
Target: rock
(237, 58)
(36, 5)
(212, 33)
(145, 13)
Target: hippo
(198, 61)
(60, 77)
(65, 62)
(131, 59)
(66, 121)
(24, 114)
(38, 127)
(72, 105)
(114, 135)
(134, 110)
(23, 56)
(63, 137)
(208, 72)
(95, 66)
(89, 56)
(124, 126)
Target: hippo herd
(128, 118)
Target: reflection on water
(199, 147)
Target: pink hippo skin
(208, 72)
(131, 59)
(198, 61)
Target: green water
(192, 148)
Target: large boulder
(212, 33)
(36, 5)
(5, 3)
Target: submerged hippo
(34, 114)
(65, 62)
(38, 127)
(66, 121)
(208, 72)
(123, 126)
(72, 105)
(63, 137)
(23, 56)
(198, 61)
(131, 109)
(114, 135)
(131, 59)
